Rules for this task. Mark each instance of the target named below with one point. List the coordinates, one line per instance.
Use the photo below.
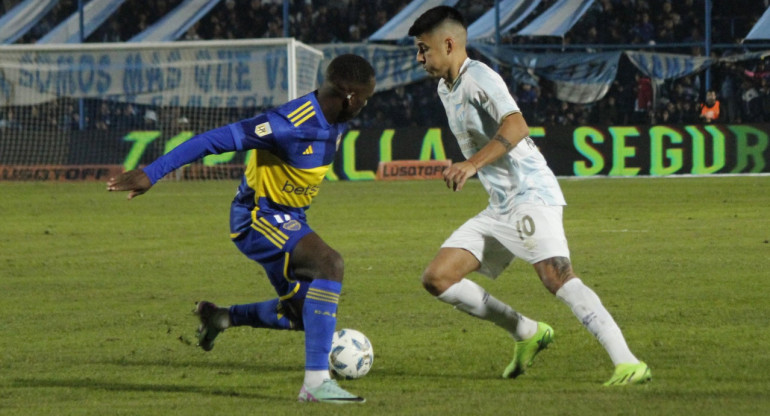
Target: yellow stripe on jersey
(306, 118)
(301, 114)
(272, 178)
(277, 232)
(322, 295)
(267, 235)
(272, 233)
(300, 108)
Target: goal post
(137, 100)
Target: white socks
(587, 307)
(314, 378)
(471, 298)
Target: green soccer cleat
(213, 321)
(328, 392)
(525, 351)
(627, 374)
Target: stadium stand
(651, 25)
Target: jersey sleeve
(259, 132)
(215, 141)
(491, 94)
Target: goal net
(74, 112)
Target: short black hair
(349, 68)
(434, 17)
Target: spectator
(605, 112)
(759, 73)
(764, 93)
(8, 120)
(127, 118)
(643, 103)
(668, 114)
(526, 97)
(150, 120)
(192, 32)
(687, 112)
(323, 21)
(104, 118)
(709, 110)
(643, 31)
(751, 103)
(730, 95)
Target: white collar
(463, 67)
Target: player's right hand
(135, 181)
(456, 174)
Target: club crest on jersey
(292, 225)
(263, 129)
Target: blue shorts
(270, 241)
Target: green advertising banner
(658, 150)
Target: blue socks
(320, 320)
(259, 315)
(319, 316)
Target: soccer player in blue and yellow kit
(294, 146)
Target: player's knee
(434, 281)
(333, 266)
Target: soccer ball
(351, 355)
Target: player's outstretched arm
(135, 181)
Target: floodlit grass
(98, 292)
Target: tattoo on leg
(508, 146)
(562, 266)
(554, 272)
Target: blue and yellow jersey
(286, 175)
(293, 148)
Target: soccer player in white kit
(524, 216)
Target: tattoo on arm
(508, 146)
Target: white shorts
(531, 232)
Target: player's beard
(346, 114)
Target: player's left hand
(135, 181)
(456, 174)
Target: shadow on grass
(257, 368)
(94, 384)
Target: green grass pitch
(97, 294)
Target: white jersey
(476, 106)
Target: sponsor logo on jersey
(291, 188)
(263, 129)
(308, 151)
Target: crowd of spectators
(743, 88)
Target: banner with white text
(233, 74)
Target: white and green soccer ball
(351, 355)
